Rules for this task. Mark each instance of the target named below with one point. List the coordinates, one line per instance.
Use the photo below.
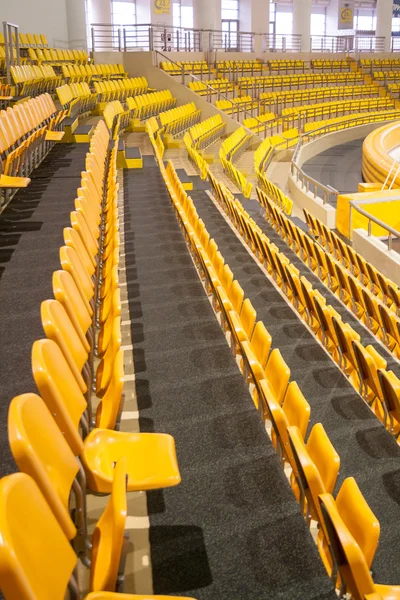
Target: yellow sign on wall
(162, 7)
(346, 14)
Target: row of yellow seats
(225, 66)
(68, 444)
(277, 400)
(364, 367)
(315, 465)
(208, 131)
(229, 150)
(256, 123)
(149, 105)
(27, 132)
(237, 104)
(234, 143)
(56, 56)
(379, 62)
(116, 117)
(193, 66)
(93, 71)
(342, 106)
(76, 98)
(285, 140)
(153, 131)
(202, 87)
(355, 119)
(386, 75)
(274, 194)
(332, 64)
(178, 119)
(316, 93)
(33, 80)
(195, 157)
(277, 65)
(386, 292)
(120, 89)
(309, 80)
(35, 40)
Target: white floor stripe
(130, 377)
(128, 415)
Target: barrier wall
(377, 163)
(387, 212)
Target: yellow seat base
(69, 132)
(6, 181)
(188, 185)
(54, 136)
(151, 460)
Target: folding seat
(242, 326)
(344, 286)
(372, 314)
(295, 411)
(390, 386)
(348, 558)
(358, 518)
(42, 453)
(316, 468)
(327, 333)
(101, 447)
(368, 363)
(391, 329)
(394, 293)
(46, 549)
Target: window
(123, 12)
(230, 10)
(365, 19)
(396, 25)
(182, 15)
(318, 23)
(283, 22)
(89, 21)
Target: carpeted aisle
(232, 529)
(366, 450)
(31, 233)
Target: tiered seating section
(230, 150)
(81, 350)
(314, 463)
(27, 133)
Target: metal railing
(241, 110)
(231, 41)
(322, 191)
(144, 37)
(147, 36)
(11, 47)
(372, 219)
(281, 43)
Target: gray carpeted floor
(340, 166)
(31, 233)
(232, 529)
(366, 450)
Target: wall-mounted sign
(162, 7)
(346, 14)
(396, 8)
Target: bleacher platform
(200, 393)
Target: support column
(76, 23)
(302, 22)
(101, 11)
(384, 15)
(259, 22)
(207, 14)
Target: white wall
(38, 16)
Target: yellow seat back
(36, 559)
